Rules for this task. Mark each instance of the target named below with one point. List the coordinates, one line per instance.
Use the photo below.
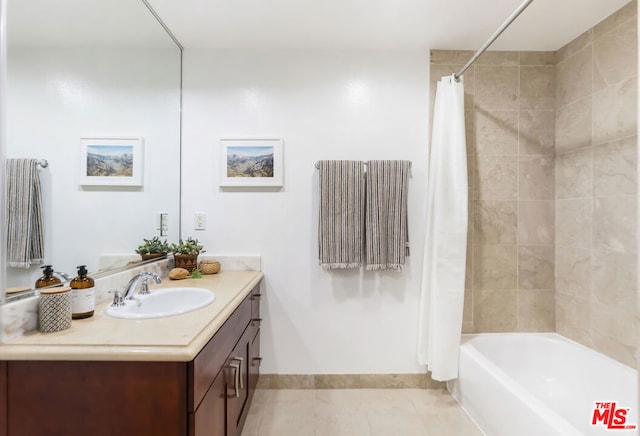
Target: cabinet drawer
(208, 363)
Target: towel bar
(317, 164)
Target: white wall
(326, 105)
(56, 96)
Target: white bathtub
(540, 384)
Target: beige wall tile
(538, 58)
(536, 132)
(614, 20)
(615, 167)
(573, 126)
(573, 271)
(574, 174)
(469, 127)
(536, 267)
(494, 267)
(573, 78)
(579, 43)
(501, 58)
(537, 87)
(496, 88)
(615, 55)
(535, 222)
(612, 334)
(495, 178)
(494, 310)
(496, 132)
(615, 279)
(467, 312)
(468, 273)
(573, 318)
(615, 225)
(536, 178)
(495, 222)
(536, 311)
(574, 222)
(450, 57)
(615, 111)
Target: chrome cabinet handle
(256, 322)
(241, 360)
(236, 372)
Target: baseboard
(348, 381)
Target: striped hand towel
(387, 237)
(25, 238)
(341, 214)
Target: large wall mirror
(78, 69)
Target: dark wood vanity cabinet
(208, 396)
(224, 374)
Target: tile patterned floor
(357, 412)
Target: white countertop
(175, 338)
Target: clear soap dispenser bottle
(83, 295)
(47, 279)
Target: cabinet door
(254, 361)
(238, 384)
(211, 417)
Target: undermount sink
(163, 302)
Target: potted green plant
(153, 248)
(185, 253)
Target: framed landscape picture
(111, 162)
(251, 162)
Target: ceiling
(378, 24)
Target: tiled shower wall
(510, 113)
(551, 139)
(596, 140)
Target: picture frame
(111, 161)
(251, 162)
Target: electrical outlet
(200, 221)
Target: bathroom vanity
(192, 374)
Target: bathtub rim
(466, 337)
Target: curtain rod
(493, 37)
(317, 164)
(43, 163)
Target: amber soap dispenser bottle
(83, 295)
(47, 279)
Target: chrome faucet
(144, 287)
(65, 276)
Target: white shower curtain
(443, 272)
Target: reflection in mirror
(80, 69)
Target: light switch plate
(200, 221)
(164, 225)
